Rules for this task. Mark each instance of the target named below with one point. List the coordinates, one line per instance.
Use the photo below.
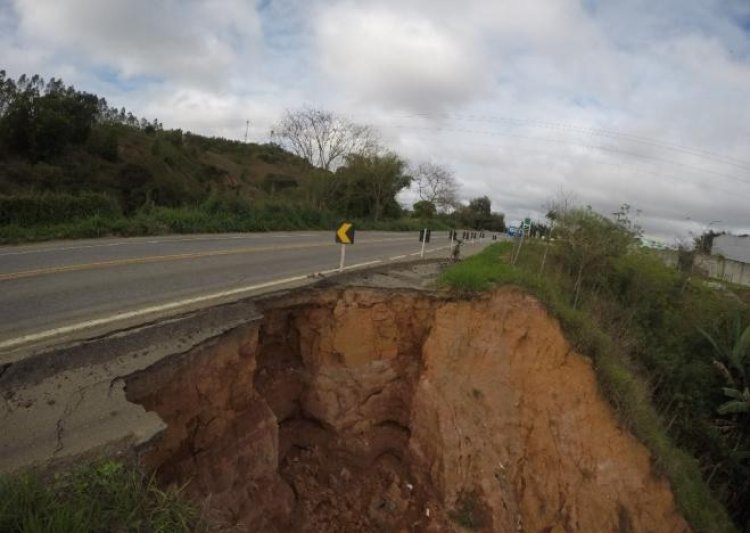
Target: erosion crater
(363, 409)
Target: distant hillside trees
(479, 215)
(39, 118)
(323, 138)
(97, 169)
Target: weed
(101, 496)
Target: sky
(610, 102)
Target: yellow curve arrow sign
(343, 234)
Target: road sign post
(424, 238)
(344, 236)
(525, 228)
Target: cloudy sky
(638, 101)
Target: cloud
(223, 115)
(195, 41)
(398, 59)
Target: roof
(734, 247)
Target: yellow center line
(174, 257)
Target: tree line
(39, 118)
(58, 140)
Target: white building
(729, 260)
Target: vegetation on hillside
(125, 501)
(672, 353)
(73, 166)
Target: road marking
(34, 337)
(142, 260)
(397, 257)
(140, 240)
(436, 249)
(173, 257)
(366, 263)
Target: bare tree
(556, 208)
(322, 138)
(435, 184)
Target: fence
(715, 266)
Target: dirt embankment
(369, 410)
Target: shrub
(50, 208)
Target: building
(729, 260)
(732, 247)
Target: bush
(51, 208)
(103, 142)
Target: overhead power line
(601, 132)
(692, 168)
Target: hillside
(168, 168)
(73, 166)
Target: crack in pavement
(69, 410)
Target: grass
(101, 496)
(622, 386)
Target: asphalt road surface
(68, 288)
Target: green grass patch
(621, 384)
(481, 271)
(101, 496)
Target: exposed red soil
(373, 410)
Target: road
(69, 289)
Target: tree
(136, 186)
(482, 206)
(478, 215)
(39, 120)
(588, 241)
(368, 185)
(322, 138)
(704, 243)
(424, 209)
(556, 208)
(435, 184)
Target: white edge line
(158, 308)
(397, 257)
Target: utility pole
(247, 126)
